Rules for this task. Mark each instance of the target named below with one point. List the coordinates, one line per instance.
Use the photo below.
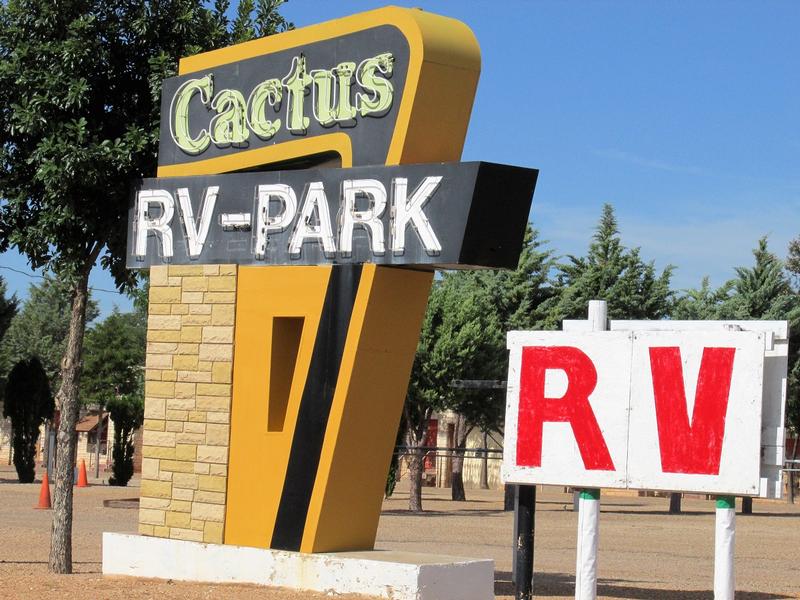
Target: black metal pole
(524, 528)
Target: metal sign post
(524, 530)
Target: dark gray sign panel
(440, 215)
(350, 85)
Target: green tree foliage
(80, 97)
(254, 19)
(793, 260)
(28, 403)
(127, 412)
(523, 294)
(114, 357)
(703, 303)
(8, 308)
(41, 328)
(632, 288)
(113, 365)
(463, 337)
(763, 291)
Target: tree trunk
(485, 463)
(747, 505)
(67, 402)
(461, 433)
(415, 461)
(792, 465)
(675, 503)
(415, 441)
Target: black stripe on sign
(315, 407)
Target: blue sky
(685, 116)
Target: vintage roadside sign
(308, 185)
(677, 410)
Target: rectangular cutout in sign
(660, 410)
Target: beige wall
(472, 466)
(5, 438)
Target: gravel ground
(644, 553)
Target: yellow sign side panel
(258, 457)
(437, 103)
(444, 66)
(373, 380)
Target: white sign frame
(566, 467)
(776, 365)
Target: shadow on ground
(403, 512)
(560, 584)
(697, 513)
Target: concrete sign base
(383, 574)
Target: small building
(476, 459)
(87, 430)
(483, 455)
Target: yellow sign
(322, 353)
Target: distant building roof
(89, 423)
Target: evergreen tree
(703, 303)
(28, 403)
(127, 412)
(632, 288)
(114, 357)
(114, 362)
(8, 308)
(763, 291)
(464, 337)
(41, 328)
(521, 296)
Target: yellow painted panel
(258, 456)
(379, 352)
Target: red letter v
(694, 447)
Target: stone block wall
(187, 401)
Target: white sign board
(664, 410)
(773, 403)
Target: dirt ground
(644, 552)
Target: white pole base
(383, 574)
(724, 547)
(588, 534)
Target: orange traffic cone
(82, 481)
(44, 494)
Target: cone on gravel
(44, 494)
(82, 480)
